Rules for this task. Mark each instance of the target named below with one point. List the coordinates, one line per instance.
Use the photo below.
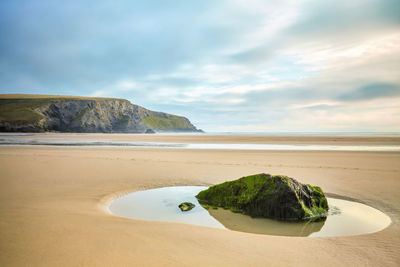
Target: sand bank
(52, 207)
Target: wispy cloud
(372, 91)
(249, 65)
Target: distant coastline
(77, 114)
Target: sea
(42, 139)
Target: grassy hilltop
(38, 113)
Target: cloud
(233, 64)
(372, 91)
(317, 105)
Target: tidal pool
(161, 204)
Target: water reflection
(243, 223)
(26, 140)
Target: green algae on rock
(264, 195)
(186, 206)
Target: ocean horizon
(222, 133)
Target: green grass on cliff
(171, 122)
(23, 109)
(19, 109)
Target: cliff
(41, 113)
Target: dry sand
(53, 206)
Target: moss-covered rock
(186, 206)
(264, 195)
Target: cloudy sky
(233, 65)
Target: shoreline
(218, 139)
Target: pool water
(161, 204)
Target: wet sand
(53, 206)
(225, 139)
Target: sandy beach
(53, 203)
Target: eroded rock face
(149, 131)
(264, 195)
(186, 206)
(25, 113)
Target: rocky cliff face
(68, 114)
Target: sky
(227, 65)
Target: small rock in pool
(186, 206)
